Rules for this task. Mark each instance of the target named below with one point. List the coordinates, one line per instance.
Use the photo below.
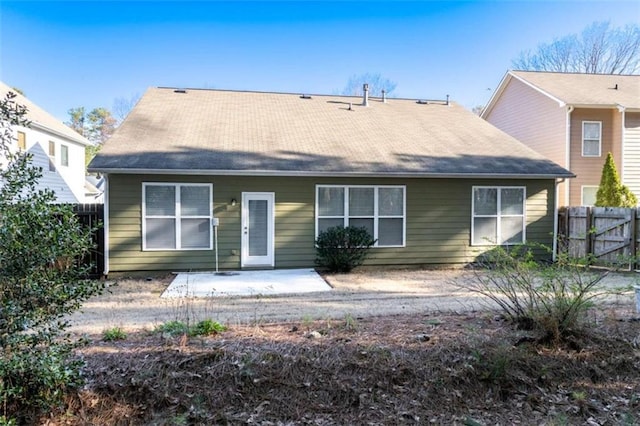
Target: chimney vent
(384, 96)
(365, 94)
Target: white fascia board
(560, 102)
(81, 140)
(496, 94)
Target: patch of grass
(173, 328)
(307, 321)
(206, 327)
(350, 323)
(113, 334)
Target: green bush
(207, 327)
(341, 249)
(40, 283)
(551, 298)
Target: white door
(257, 229)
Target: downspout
(567, 154)
(106, 225)
(556, 200)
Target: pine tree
(611, 192)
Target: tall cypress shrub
(611, 192)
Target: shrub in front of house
(549, 297)
(340, 249)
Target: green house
(256, 176)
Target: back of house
(256, 176)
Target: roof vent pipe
(384, 96)
(365, 95)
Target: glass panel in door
(258, 228)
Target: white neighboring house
(55, 147)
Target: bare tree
(477, 110)
(375, 81)
(123, 106)
(599, 49)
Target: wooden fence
(608, 234)
(92, 216)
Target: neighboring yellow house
(574, 120)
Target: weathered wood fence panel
(608, 234)
(92, 215)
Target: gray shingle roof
(255, 133)
(587, 89)
(42, 118)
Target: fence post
(634, 239)
(588, 240)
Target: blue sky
(69, 54)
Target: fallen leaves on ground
(471, 369)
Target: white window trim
(177, 216)
(52, 157)
(375, 216)
(599, 139)
(498, 216)
(24, 139)
(64, 148)
(582, 192)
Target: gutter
(280, 173)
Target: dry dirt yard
(403, 348)
(135, 304)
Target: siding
(73, 176)
(438, 221)
(632, 152)
(535, 120)
(532, 118)
(588, 170)
(52, 179)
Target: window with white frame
(52, 156)
(379, 209)
(22, 141)
(176, 216)
(498, 215)
(591, 138)
(589, 193)
(64, 155)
